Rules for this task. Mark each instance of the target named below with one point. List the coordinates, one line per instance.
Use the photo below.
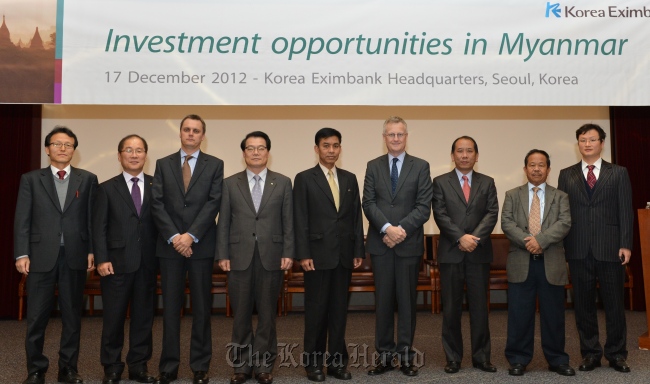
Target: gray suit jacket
(410, 207)
(556, 222)
(40, 221)
(456, 217)
(239, 225)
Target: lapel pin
(271, 183)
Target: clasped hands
(533, 246)
(394, 235)
(183, 244)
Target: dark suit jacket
(175, 211)
(556, 222)
(39, 219)
(324, 234)
(456, 217)
(120, 236)
(602, 224)
(239, 225)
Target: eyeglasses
(138, 151)
(395, 135)
(251, 149)
(58, 145)
(591, 141)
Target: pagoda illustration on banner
(36, 41)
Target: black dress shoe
(111, 378)
(452, 367)
(69, 375)
(141, 377)
(516, 369)
(409, 369)
(37, 377)
(620, 365)
(485, 366)
(264, 378)
(562, 369)
(589, 363)
(339, 373)
(201, 377)
(165, 378)
(316, 375)
(381, 369)
(239, 378)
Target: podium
(644, 236)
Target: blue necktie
(394, 175)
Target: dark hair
(64, 130)
(120, 146)
(325, 133)
(453, 145)
(193, 117)
(588, 127)
(533, 151)
(256, 134)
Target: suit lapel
(200, 165)
(385, 173)
(269, 186)
(73, 187)
(343, 187)
(146, 198)
(122, 189)
(404, 173)
(177, 171)
(603, 177)
(579, 179)
(455, 185)
(47, 180)
(523, 200)
(549, 195)
(477, 180)
(244, 189)
(321, 180)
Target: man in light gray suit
(255, 245)
(536, 218)
(397, 202)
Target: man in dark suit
(598, 246)
(186, 196)
(536, 218)
(329, 244)
(397, 202)
(124, 241)
(255, 245)
(465, 208)
(52, 246)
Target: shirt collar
(541, 186)
(194, 155)
(598, 163)
(401, 157)
(460, 175)
(128, 176)
(55, 170)
(326, 170)
(262, 174)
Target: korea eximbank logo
(610, 11)
(553, 9)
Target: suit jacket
(40, 221)
(602, 224)
(120, 236)
(239, 225)
(324, 234)
(175, 211)
(410, 207)
(456, 217)
(556, 222)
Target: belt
(537, 257)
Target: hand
(396, 234)
(224, 265)
(533, 246)
(390, 243)
(357, 262)
(91, 262)
(307, 264)
(22, 265)
(105, 269)
(624, 254)
(183, 244)
(468, 243)
(286, 263)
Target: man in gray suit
(598, 246)
(465, 208)
(397, 202)
(52, 246)
(186, 196)
(536, 218)
(255, 245)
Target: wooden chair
(498, 275)
(220, 285)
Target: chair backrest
(500, 249)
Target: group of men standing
(133, 225)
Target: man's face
(328, 151)
(132, 162)
(464, 156)
(590, 145)
(191, 135)
(256, 155)
(394, 143)
(536, 169)
(60, 157)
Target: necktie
(61, 175)
(394, 175)
(187, 172)
(334, 188)
(591, 177)
(257, 193)
(534, 219)
(135, 195)
(466, 188)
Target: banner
(409, 52)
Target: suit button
(253, 234)
(257, 219)
(392, 206)
(337, 235)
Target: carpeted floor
(360, 334)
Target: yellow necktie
(534, 219)
(334, 188)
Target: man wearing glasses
(255, 245)
(52, 247)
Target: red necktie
(61, 175)
(466, 188)
(591, 178)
